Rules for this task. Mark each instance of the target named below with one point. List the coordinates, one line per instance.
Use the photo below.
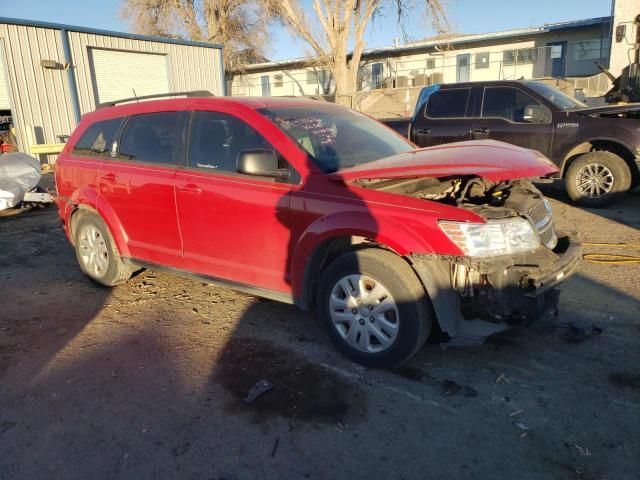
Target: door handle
(423, 131)
(190, 188)
(110, 177)
(480, 131)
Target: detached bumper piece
(510, 289)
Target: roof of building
(448, 40)
(108, 33)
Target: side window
(150, 137)
(448, 103)
(505, 102)
(96, 141)
(216, 139)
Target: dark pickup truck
(596, 149)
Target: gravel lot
(147, 380)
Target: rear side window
(505, 102)
(97, 140)
(448, 103)
(150, 137)
(217, 138)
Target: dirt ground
(147, 380)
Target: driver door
(502, 117)
(234, 227)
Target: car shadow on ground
(149, 380)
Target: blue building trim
(109, 33)
(73, 88)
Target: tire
(92, 236)
(403, 331)
(609, 167)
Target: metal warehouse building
(51, 74)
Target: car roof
(188, 103)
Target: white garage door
(4, 83)
(117, 74)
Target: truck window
(450, 103)
(505, 102)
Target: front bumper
(509, 289)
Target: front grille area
(542, 218)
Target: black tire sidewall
(113, 270)
(617, 166)
(414, 320)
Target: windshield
(559, 99)
(336, 137)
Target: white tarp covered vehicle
(19, 177)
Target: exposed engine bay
(490, 200)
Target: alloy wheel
(594, 180)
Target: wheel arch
(110, 221)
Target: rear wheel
(97, 253)
(374, 307)
(595, 179)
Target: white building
(559, 50)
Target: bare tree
(343, 23)
(240, 25)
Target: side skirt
(220, 282)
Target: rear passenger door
(445, 119)
(234, 226)
(137, 186)
(502, 117)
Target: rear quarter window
(450, 103)
(98, 139)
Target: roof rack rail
(195, 93)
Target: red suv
(314, 204)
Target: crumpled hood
(609, 109)
(489, 159)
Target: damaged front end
(511, 263)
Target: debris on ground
(577, 333)
(275, 447)
(259, 389)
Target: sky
(466, 16)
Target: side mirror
(260, 162)
(536, 114)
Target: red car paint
(257, 232)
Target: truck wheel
(96, 252)
(595, 179)
(374, 307)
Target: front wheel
(374, 307)
(595, 179)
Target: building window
(277, 81)
(376, 75)
(521, 55)
(482, 60)
(587, 50)
(312, 77)
(431, 63)
(325, 81)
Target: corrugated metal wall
(190, 68)
(41, 97)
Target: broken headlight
(496, 237)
